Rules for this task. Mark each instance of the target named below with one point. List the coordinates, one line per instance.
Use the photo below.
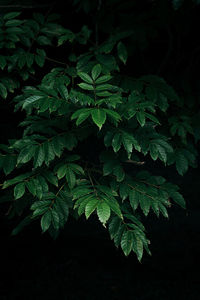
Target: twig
(56, 61)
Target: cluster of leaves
(89, 100)
(23, 43)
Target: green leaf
(163, 210)
(9, 164)
(144, 203)
(103, 94)
(13, 22)
(82, 117)
(62, 171)
(141, 118)
(57, 146)
(39, 156)
(26, 154)
(178, 198)
(103, 212)
(152, 118)
(96, 71)
(134, 199)
(29, 59)
(86, 86)
(43, 40)
(49, 152)
(162, 153)
(153, 151)
(113, 114)
(55, 219)
(85, 77)
(98, 116)
(127, 242)
(30, 100)
(11, 15)
(40, 211)
(40, 204)
(114, 205)
(107, 62)
(119, 173)
(71, 178)
(31, 187)
(21, 61)
(114, 226)
(2, 62)
(76, 168)
(19, 190)
(128, 142)
(138, 245)
(103, 79)
(63, 91)
(181, 163)
(62, 207)
(78, 112)
(3, 91)
(116, 142)
(90, 207)
(46, 221)
(51, 177)
(40, 60)
(124, 191)
(118, 235)
(135, 220)
(103, 87)
(16, 180)
(122, 52)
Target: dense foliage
(88, 127)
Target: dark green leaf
(103, 79)
(90, 207)
(103, 212)
(98, 116)
(141, 118)
(39, 156)
(11, 15)
(70, 177)
(3, 91)
(178, 198)
(13, 22)
(46, 221)
(96, 71)
(85, 77)
(181, 163)
(122, 52)
(2, 62)
(127, 242)
(86, 86)
(19, 190)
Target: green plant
(88, 128)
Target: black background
(83, 263)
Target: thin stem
(95, 191)
(56, 61)
(62, 186)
